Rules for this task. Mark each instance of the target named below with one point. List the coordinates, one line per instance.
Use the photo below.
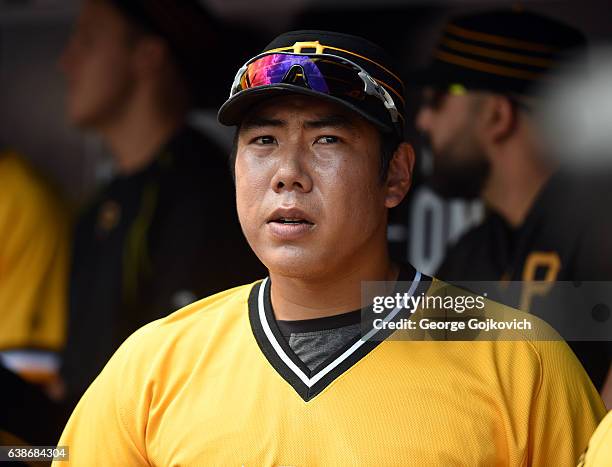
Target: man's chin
(81, 118)
(78, 121)
(294, 264)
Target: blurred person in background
(478, 118)
(163, 232)
(34, 228)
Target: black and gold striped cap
(508, 51)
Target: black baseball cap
(367, 55)
(507, 51)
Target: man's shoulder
(163, 351)
(508, 329)
(14, 167)
(196, 324)
(517, 348)
(33, 197)
(20, 175)
(226, 305)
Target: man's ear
(500, 118)
(399, 177)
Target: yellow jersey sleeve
(566, 407)
(34, 242)
(109, 423)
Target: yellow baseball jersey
(599, 453)
(215, 384)
(33, 270)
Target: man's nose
(292, 172)
(423, 118)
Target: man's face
(450, 125)
(97, 65)
(308, 190)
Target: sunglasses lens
(341, 78)
(280, 68)
(320, 74)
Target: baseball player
(285, 371)
(153, 238)
(34, 227)
(480, 109)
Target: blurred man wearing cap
(478, 114)
(163, 232)
(287, 371)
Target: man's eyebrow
(261, 122)
(331, 121)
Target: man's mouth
(290, 224)
(290, 216)
(291, 221)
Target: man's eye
(328, 140)
(264, 140)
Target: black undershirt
(315, 340)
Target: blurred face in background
(450, 126)
(98, 65)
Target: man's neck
(515, 183)
(136, 136)
(303, 298)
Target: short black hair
(388, 145)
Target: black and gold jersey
(150, 243)
(563, 238)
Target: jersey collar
(309, 383)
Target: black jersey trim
(276, 349)
(319, 324)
